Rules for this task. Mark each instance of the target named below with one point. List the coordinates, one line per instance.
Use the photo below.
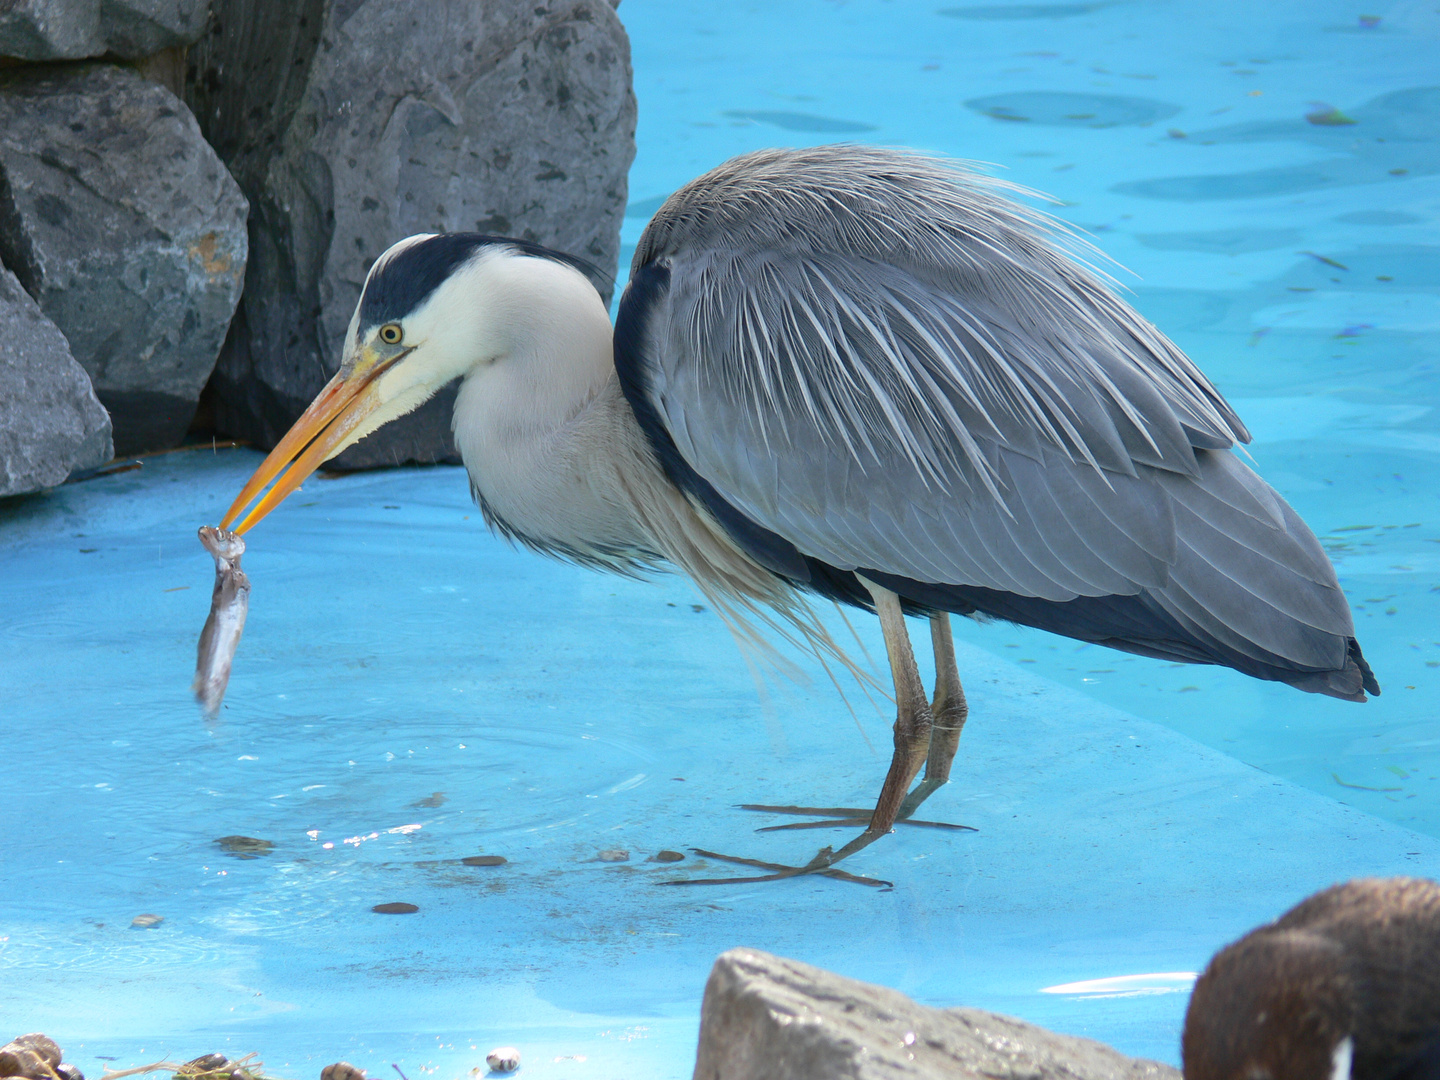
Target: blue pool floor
(404, 668)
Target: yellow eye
(391, 333)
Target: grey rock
(50, 29)
(354, 123)
(124, 225)
(765, 1016)
(50, 420)
(74, 29)
(136, 28)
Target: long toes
(780, 872)
(849, 823)
(810, 811)
(724, 880)
(933, 825)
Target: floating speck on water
(245, 847)
(1327, 116)
(1324, 259)
(395, 909)
(484, 860)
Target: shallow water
(403, 668)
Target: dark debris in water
(1327, 116)
(395, 909)
(484, 860)
(245, 847)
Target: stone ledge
(768, 1017)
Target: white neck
(540, 419)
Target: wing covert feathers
(874, 361)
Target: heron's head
(434, 308)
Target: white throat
(539, 421)
(1341, 1059)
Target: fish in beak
(333, 421)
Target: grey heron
(865, 375)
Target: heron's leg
(913, 723)
(914, 746)
(913, 718)
(948, 711)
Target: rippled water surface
(411, 692)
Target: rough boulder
(765, 1016)
(359, 122)
(122, 223)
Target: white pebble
(615, 855)
(503, 1059)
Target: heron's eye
(391, 333)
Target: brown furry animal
(1343, 986)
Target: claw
(856, 816)
(815, 866)
(847, 822)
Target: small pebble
(144, 922)
(614, 855)
(503, 1059)
(484, 860)
(342, 1070)
(667, 856)
(66, 1071)
(395, 909)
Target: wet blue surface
(403, 668)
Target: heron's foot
(822, 865)
(838, 816)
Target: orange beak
(317, 436)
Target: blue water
(1132, 816)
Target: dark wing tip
(1367, 677)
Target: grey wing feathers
(884, 362)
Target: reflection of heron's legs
(913, 724)
(949, 711)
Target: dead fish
(229, 605)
